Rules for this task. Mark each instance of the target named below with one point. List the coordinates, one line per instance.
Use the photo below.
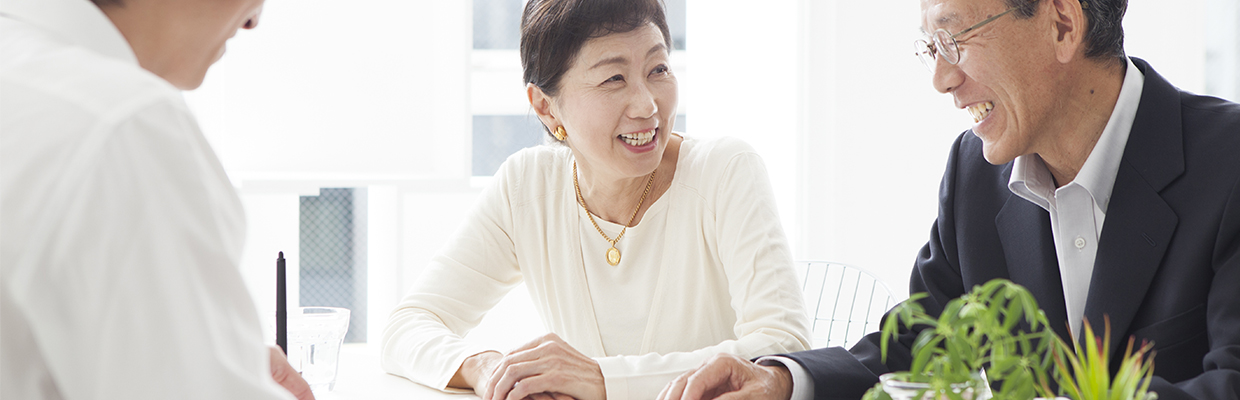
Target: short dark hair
(1104, 36)
(108, 3)
(553, 31)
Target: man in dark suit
(1088, 178)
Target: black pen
(281, 306)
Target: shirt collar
(76, 22)
(1032, 181)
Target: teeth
(638, 139)
(981, 110)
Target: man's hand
(729, 377)
(286, 376)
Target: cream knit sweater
(713, 273)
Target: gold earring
(559, 133)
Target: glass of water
(314, 338)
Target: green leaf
(876, 393)
(1013, 315)
(980, 328)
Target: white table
(361, 378)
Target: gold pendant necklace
(613, 254)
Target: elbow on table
(409, 334)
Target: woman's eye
(661, 69)
(615, 78)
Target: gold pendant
(613, 256)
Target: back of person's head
(1104, 39)
(553, 31)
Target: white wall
(1222, 48)
(1171, 35)
(337, 94)
(744, 83)
(274, 232)
(876, 138)
(330, 88)
(377, 93)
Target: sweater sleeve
(423, 340)
(762, 286)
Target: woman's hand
(475, 372)
(546, 368)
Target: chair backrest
(845, 302)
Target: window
(333, 255)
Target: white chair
(844, 302)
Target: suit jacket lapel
(1138, 228)
(1139, 223)
(1029, 250)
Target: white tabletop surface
(360, 377)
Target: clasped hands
(546, 368)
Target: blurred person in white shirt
(121, 234)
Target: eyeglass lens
(925, 53)
(943, 46)
(946, 46)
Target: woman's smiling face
(617, 102)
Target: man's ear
(1069, 27)
(541, 103)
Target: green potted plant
(977, 337)
(1084, 374)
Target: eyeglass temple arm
(984, 22)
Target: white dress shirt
(1076, 211)
(121, 233)
(707, 270)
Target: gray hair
(1104, 36)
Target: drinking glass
(314, 338)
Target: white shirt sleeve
(802, 382)
(126, 280)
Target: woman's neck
(614, 198)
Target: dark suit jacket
(1168, 261)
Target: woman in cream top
(680, 257)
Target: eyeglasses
(944, 43)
